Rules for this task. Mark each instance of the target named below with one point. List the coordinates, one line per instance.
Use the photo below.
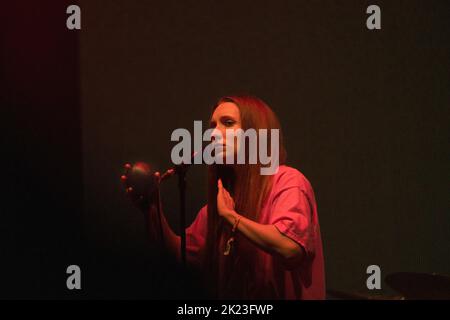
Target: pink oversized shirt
(291, 208)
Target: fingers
(224, 194)
(125, 181)
(225, 191)
(157, 175)
(220, 185)
(222, 188)
(127, 167)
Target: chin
(223, 155)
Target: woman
(258, 237)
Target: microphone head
(141, 178)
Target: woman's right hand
(141, 185)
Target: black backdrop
(365, 116)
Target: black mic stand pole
(181, 172)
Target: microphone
(179, 168)
(142, 185)
(140, 180)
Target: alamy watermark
(233, 146)
(374, 280)
(74, 279)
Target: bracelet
(231, 240)
(236, 223)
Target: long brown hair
(249, 190)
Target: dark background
(365, 117)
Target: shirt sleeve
(195, 237)
(292, 212)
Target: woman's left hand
(225, 203)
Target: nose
(217, 134)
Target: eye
(212, 124)
(228, 122)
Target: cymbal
(360, 296)
(420, 286)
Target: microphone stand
(180, 171)
(182, 190)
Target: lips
(222, 144)
(222, 149)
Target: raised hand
(225, 203)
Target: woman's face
(226, 117)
